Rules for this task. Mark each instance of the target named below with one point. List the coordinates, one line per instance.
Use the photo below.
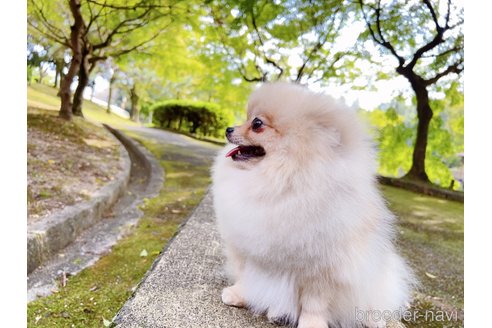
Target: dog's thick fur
(307, 235)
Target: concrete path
(98, 239)
(146, 178)
(192, 150)
(183, 287)
(144, 182)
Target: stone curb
(55, 232)
(422, 188)
(147, 159)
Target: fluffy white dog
(307, 235)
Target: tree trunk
(424, 115)
(58, 71)
(77, 30)
(62, 75)
(111, 81)
(84, 72)
(93, 90)
(55, 84)
(194, 127)
(41, 73)
(134, 106)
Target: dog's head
(285, 121)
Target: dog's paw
(231, 297)
(311, 321)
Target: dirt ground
(66, 161)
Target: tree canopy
(180, 52)
(426, 39)
(268, 40)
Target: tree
(112, 79)
(133, 81)
(56, 54)
(100, 30)
(260, 37)
(35, 59)
(77, 32)
(134, 110)
(426, 39)
(181, 65)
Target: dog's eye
(256, 124)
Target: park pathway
(183, 287)
(98, 239)
(191, 150)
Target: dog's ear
(328, 126)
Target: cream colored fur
(307, 234)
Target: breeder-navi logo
(405, 315)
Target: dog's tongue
(233, 151)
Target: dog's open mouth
(244, 153)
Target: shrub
(200, 118)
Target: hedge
(196, 117)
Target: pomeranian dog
(308, 237)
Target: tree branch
(319, 44)
(241, 69)
(456, 68)
(382, 41)
(448, 14)
(65, 42)
(438, 38)
(329, 69)
(141, 4)
(444, 53)
(114, 31)
(260, 39)
(52, 32)
(433, 14)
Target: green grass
(98, 292)
(43, 96)
(432, 240)
(74, 131)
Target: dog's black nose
(229, 130)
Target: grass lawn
(432, 240)
(43, 96)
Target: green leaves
(394, 129)
(194, 117)
(407, 29)
(260, 37)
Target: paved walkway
(98, 239)
(183, 287)
(191, 150)
(146, 180)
